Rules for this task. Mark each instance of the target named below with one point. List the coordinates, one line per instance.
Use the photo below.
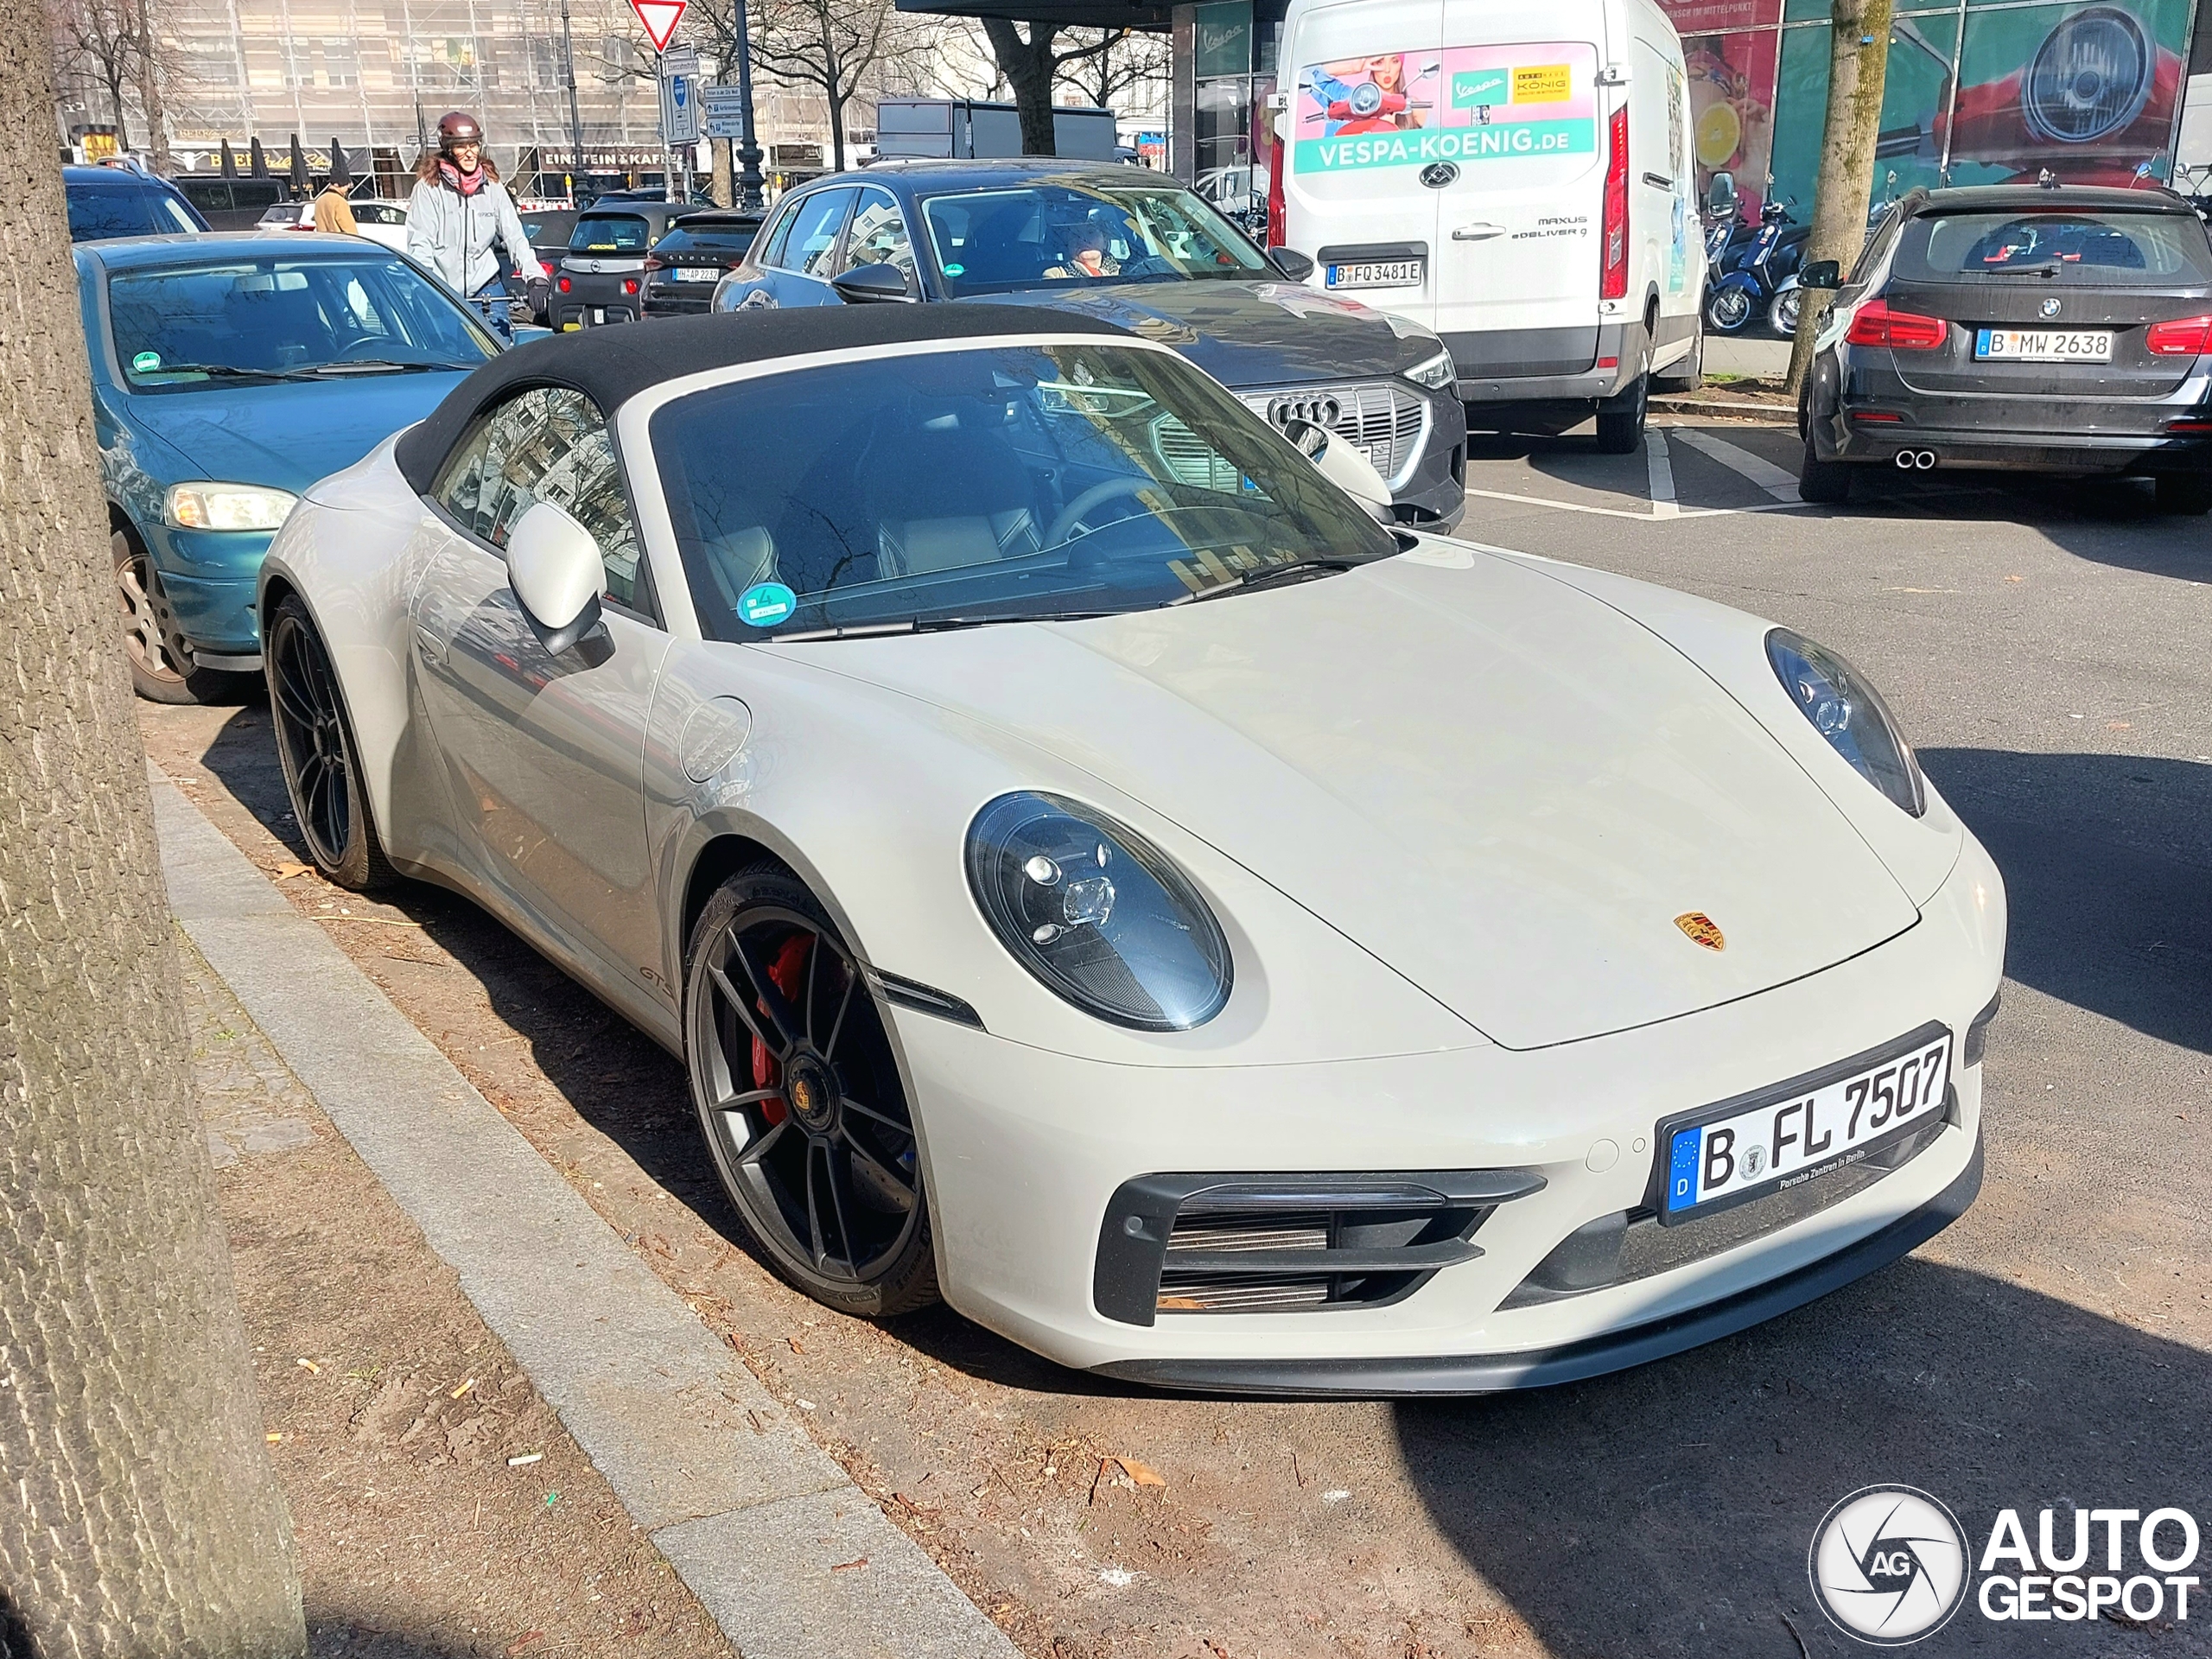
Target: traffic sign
(659, 18)
(721, 110)
(679, 99)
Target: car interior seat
(950, 498)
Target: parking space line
(1662, 473)
(1680, 512)
(1761, 472)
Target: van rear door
(1517, 266)
(1364, 80)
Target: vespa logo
(1436, 175)
(2050, 308)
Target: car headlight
(225, 507)
(1097, 913)
(1850, 713)
(1437, 374)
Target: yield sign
(660, 18)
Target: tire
(1619, 430)
(151, 644)
(1825, 483)
(317, 751)
(1782, 315)
(1728, 310)
(800, 1099)
(2184, 492)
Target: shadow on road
(1669, 1510)
(2107, 862)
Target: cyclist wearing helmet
(458, 212)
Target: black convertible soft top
(612, 365)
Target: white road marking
(1641, 518)
(1662, 474)
(1763, 473)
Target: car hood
(286, 435)
(1257, 334)
(1506, 790)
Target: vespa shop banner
(1467, 104)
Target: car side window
(812, 248)
(879, 237)
(771, 256)
(1877, 249)
(548, 443)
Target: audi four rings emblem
(1436, 175)
(2050, 308)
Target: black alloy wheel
(316, 748)
(800, 1098)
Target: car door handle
(1659, 179)
(430, 647)
(1478, 231)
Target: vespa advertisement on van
(1466, 104)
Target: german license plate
(1378, 273)
(697, 273)
(2043, 345)
(1724, 1155)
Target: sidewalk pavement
(792, 1558)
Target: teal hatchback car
(229, 373)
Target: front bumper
(1025, 1151)
(1429, 488)
(209, 577)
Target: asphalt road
(2045, 645)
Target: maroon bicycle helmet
(458, 127)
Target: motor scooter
(1782, 315)
(1748, 290)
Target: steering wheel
(365, 346)
(1071, 515)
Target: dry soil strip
(793, 1560)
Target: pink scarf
(467, 183)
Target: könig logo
(1889, 1565)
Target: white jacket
(453, 234)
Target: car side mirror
(557, 575)
(1822, 273)
(1340, 461)
(1721, 197)
(1291, 263)
(871, 284)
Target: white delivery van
(1515, 174)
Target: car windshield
(945, 488)
(98, 212)
(1036, 236)
(184, 328)
(2096, 249)
(611, 234)
(732, 239)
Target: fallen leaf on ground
(797, 1346)
(847, 1566)
(522, 1642)
(1143, 1473)
(286, 872)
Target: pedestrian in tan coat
(332, 212)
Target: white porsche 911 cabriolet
(1093, 871)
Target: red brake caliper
(786, 973)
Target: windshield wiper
(381, 365)
(228, 372)
(1299, 570)
(931, 625)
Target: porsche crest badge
(1700, 929)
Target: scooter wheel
(1782, 318)
(1729, 311)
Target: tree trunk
(141, 1517)
(1028, 65)
(150, 94)
(1858, 62)
(720, 188)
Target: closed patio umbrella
(260, 160)
(341, 171)
(230, 162)
(302, 183)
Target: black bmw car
(1128, 247)
(2035, 328)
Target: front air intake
(1178, 1244)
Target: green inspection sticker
(145, 362)
(956, 270)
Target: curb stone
(753, 1520)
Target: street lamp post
(749, 182)
(575, 117)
